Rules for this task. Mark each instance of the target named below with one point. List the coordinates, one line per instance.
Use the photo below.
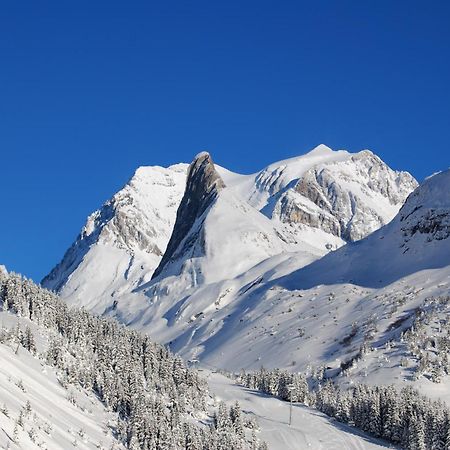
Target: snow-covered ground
(58, 418)
(309, 429)
(37, 411)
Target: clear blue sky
(89, 90)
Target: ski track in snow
(310, 429)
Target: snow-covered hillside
(37, 411)
(70, 380)
(123, 242)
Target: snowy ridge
(123, 242)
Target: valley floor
(310, 429)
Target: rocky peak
(203, 181)
(427, 210)
(138, 219)
(202, 187)
(349, 198)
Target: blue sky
(91, 90)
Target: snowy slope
(64, 416)
(123, 242)
(59, 418)
(110, 382)
(309, 430)
(288, 311)
(230, 288)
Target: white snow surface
(122, 243)
(60, 418)
(309, 428)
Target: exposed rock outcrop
(346, 198)
(202, 186)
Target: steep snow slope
(314, 316)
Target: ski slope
(310, 429)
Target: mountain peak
(321, 149)
(202, 175)
(202, 187)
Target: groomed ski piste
(309, 428)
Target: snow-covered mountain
(309, 204)
(416, 240)
(297, 267)
(122, 242)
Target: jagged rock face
(292, 212)
(349, 199)
(435, 223)
(202, 186)
(118, 222)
